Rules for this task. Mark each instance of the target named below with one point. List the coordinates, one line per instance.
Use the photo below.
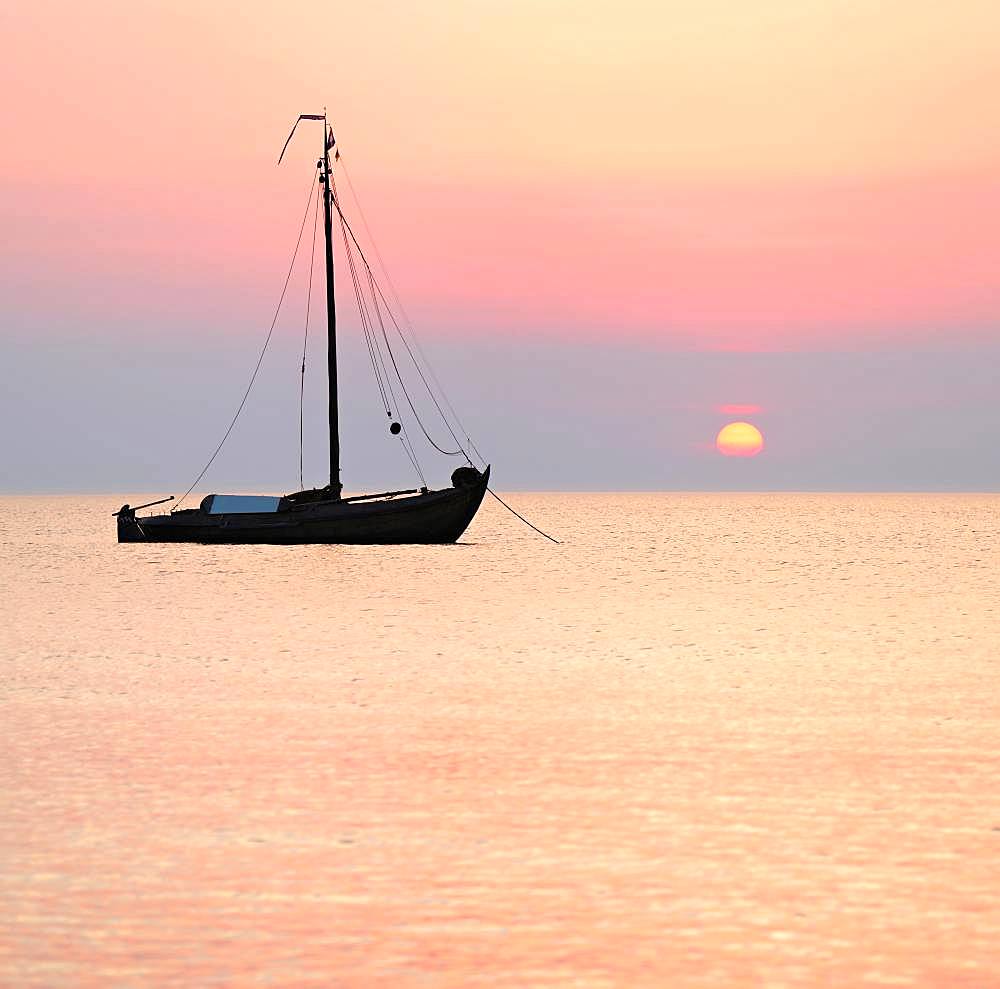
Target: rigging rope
(412, 454)
(374, 350)
(409, 401)
(407, 322)
(381, 359)
(382, 378)
(305, 338)
(263, 350)
(365, 319)
(448, 453)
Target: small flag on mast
(330, 141)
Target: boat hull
(430, 517)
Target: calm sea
(710, 740)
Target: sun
(739, 439)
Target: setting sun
(739, 439)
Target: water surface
(710, 740)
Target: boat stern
(129, 529)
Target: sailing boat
(323, 515)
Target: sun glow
(739, 439)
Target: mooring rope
(522, 518)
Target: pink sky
(785, 175)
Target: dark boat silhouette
(323, 515)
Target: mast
(331, 313)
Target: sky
(608, 223)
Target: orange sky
(719, 175)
